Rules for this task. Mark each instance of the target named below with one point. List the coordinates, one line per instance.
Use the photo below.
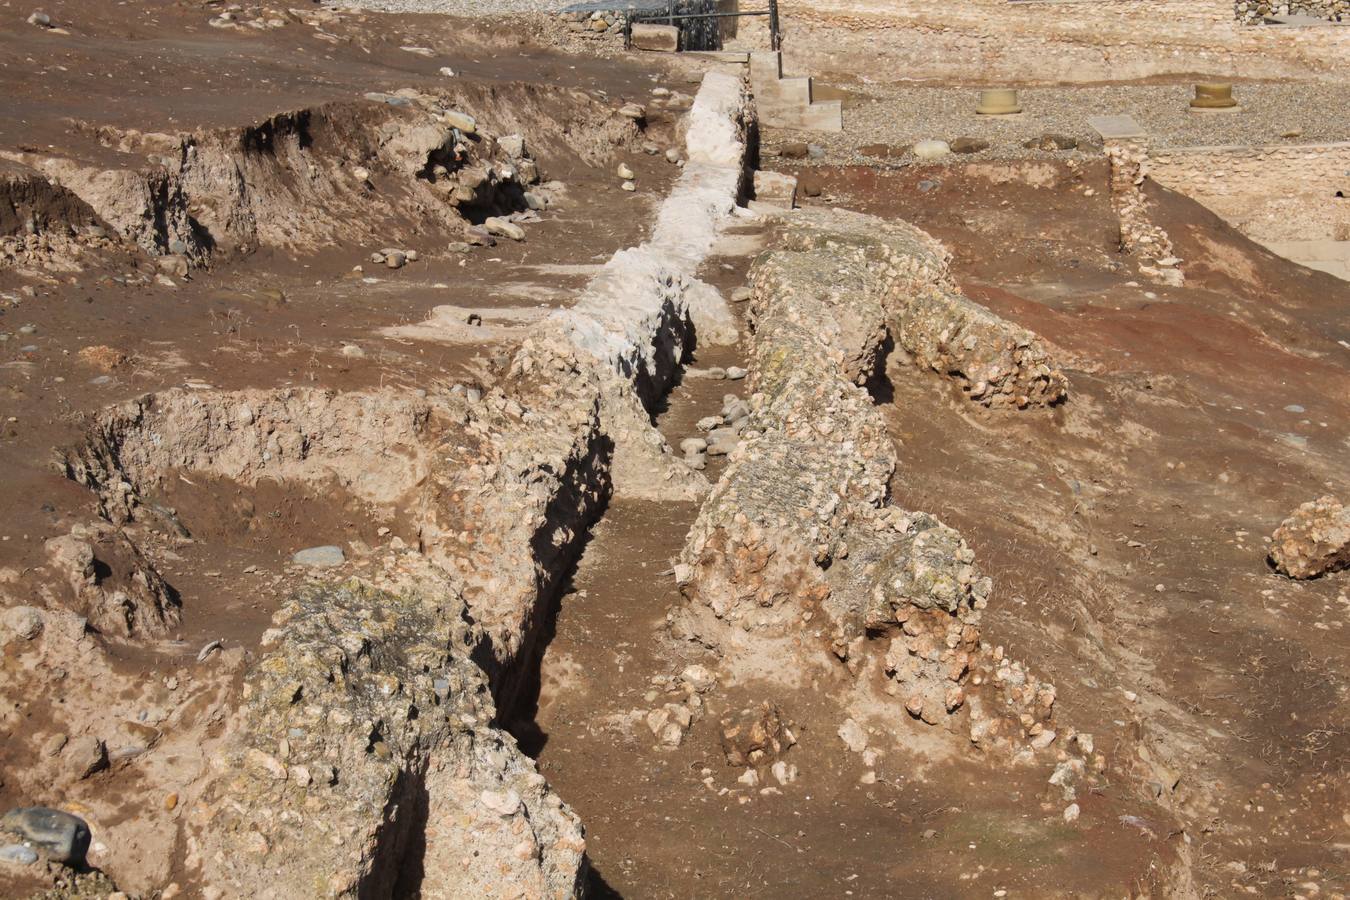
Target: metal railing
(670, 17)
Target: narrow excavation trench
(608, 642)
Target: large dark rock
(64, 837)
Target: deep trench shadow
(597, 888)
(398, 867)
(661, 404)
(521, 719)
(879, 384)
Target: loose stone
(320, 557)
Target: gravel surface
(455, 7)
(898, 116)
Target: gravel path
(900, 115)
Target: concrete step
(784, 92)
(765, 66)
(726, 56)
(823, 115)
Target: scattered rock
(86, 755)
(629, 186)
(1314, 540)
(853, 736)
(751, 736)
(463, 121)
(693, 445)
(741, 295)
(632, 111)
(968, 145)
(722, 441)
(22, 623)
(672, 155)
(625, 172)
(931, 149)
(810, 186)
(64, 837)
(502, 228)
(40, 19)
(736, 373)
(320, 557)
(698, 677)
(794, 150)
(1050, 142)
(1071, 812)
(18, 855)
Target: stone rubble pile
(1252, 12)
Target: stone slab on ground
(1117, 127)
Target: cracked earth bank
(357, 547)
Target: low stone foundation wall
(1272, 193)
(1055, 40)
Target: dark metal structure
(699, 20)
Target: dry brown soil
(1124, 533)
(265, 318)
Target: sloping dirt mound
(374, 169)
(44, 223)
(371, 444)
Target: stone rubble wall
(1062, 40)
(366, 759)
(995, 362)
(1140, 236)
(1253, 12)
(1271, 193)
(637, 317)
(695, 34)
(798, 552)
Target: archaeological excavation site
(674, 449)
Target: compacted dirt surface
(89, 322)
(226, 219)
